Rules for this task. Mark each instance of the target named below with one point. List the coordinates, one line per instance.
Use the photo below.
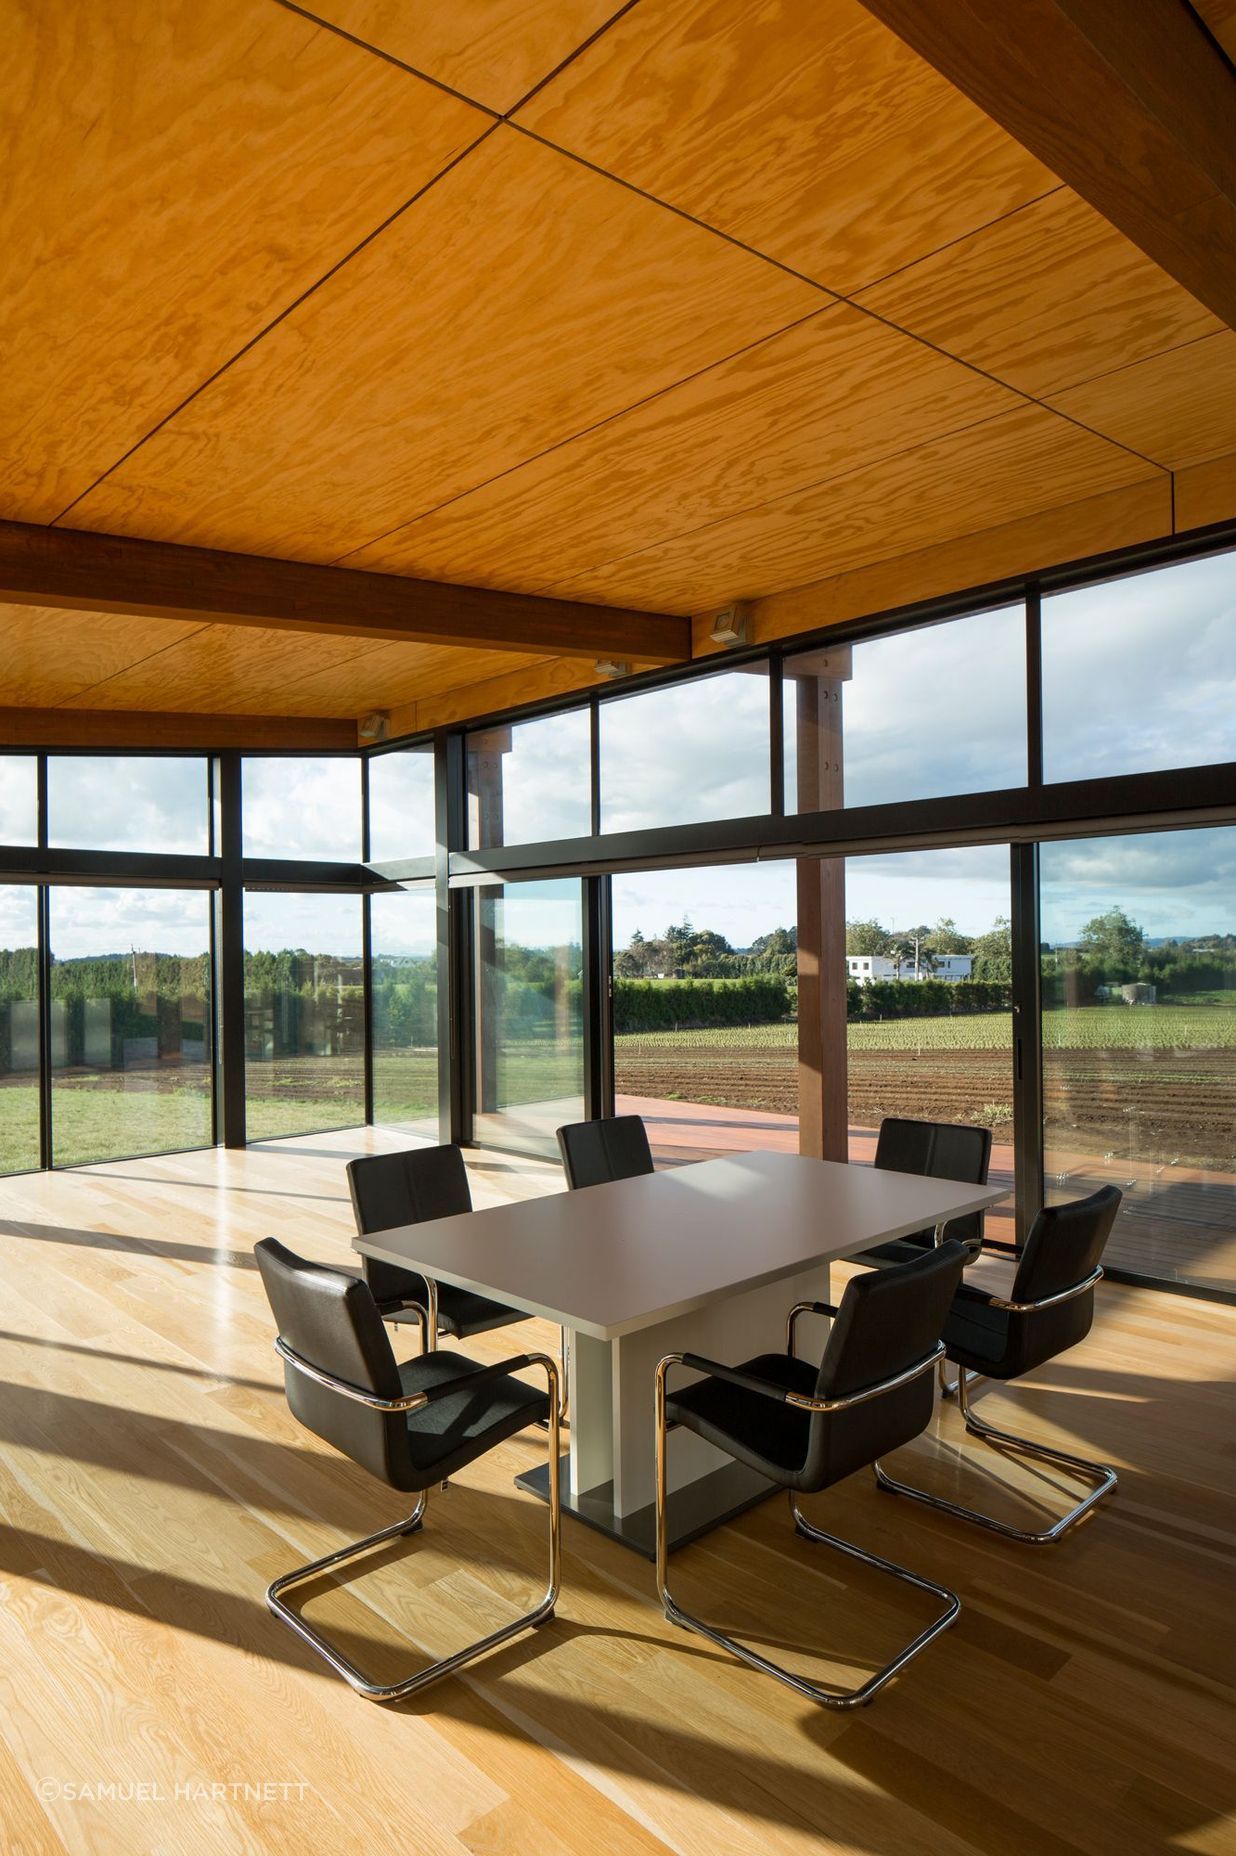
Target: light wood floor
(152, 1482)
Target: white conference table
(705, 1258)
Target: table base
(693, 1511)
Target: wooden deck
(152, 1482)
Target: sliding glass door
(129, 1020)
(19, 1026)
(1139, 1043)
(529, 1049)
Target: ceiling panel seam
(838, 295)
(275, 321)
(88, 689)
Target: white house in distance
(868, 967)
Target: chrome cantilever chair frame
(814, 1691)
(541, 1612)
(1104, 1476)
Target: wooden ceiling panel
(829, 396)
(494, 51)
(998, 472)
(1049, 296)
(49, 657)
(809, 132)
(521, 300)
(1178, 408)
(398, 674)
(165, 195)
(221, 667)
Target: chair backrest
(888, 1321)
(406, 1187)
(330, 1320)
(595, 1152)
(1065, 1245)
(938, 1150)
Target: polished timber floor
(152, 1483)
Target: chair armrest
(969, 1292)
(804, 1308)
(747, 1381)
(472, 1381)
(410, 1401)
(803, 1403)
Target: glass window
(19, 806)
(296, 807)
(128, 802)
(401, 805)
(130, 1022)
(686, 753)
(530, 1035)
(704, 1001)
(403, 937)
(919, 714)
(929, 973)
(530, 781)
(304, 1013)
(1140, 674)
(19, 1028)
(1139, 1033)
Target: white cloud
(401, 805)
(1170, 882)
(1140, 673)
(302, 808)
(18, 799)
(405, 922)
(275, 920)
(686, 752)
(117, 802)
(114, 921)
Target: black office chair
(593, 1154)
(808, 1426)
(1048, 1310)
(934, 1150)
(410, 1426)
(596, 1152)
(409, 1187)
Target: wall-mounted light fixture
(375, 727)
(732, 626)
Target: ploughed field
(1147, 1081)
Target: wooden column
(823, 1093)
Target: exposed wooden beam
(140, 728)
(1133, 105)
(80, 570)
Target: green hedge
(677, 1005)
(925, 998)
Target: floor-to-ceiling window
(404, 977)
(1139, 1042)
(304, 1013)
(129, 1022)
(929, 1005)
(304, 950)
(529, 1047)
(704, 1008)
(19, 1028)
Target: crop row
(1152, 1027)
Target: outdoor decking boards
(152, 1482)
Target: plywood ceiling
(656, 305)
